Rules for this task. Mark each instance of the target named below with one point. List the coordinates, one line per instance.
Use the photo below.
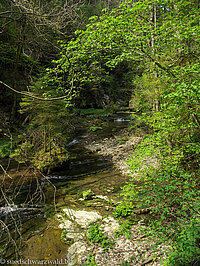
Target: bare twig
(5, 172)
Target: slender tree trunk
(45, 138)
(50, 141)
(154, 20)
(17, 59)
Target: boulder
(82, 218)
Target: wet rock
(105, 198)
(109, 226)
(66, 224)
(83, 218)
(72, 231)
(76, 249)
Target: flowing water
(36, 201)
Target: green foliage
(173, 194)
(87, 194)
(127, 36)
(125, 263)
(90, 261)
(7, 53)
(107, 243)
(123, 209)
(187, 248)
(95, 128)
(124, 229)
(63, 234)
(44, 154)
(148, 89)
(48, 129)
(95, 235)
(5, 147)
(8, 57)
(151, 47)
(122, 140)
(92, 112)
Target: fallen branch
(143, 211)
(151, 259)
(147, 262)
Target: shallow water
(63, 187)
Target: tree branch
(36, 97)
(157, 63)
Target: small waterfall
(23, 213)
(73, 142)
(122, 119)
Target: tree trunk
(17, 59)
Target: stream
(28, 222)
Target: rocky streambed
(84, 196)
(118, 148)
(137, 249)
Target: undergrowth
(172, 192)
(95, 235)
(6, 147)
(124, 229)
(90, 261)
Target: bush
(6, 147)
(186, 248)
(95, 235)
(123, 209)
